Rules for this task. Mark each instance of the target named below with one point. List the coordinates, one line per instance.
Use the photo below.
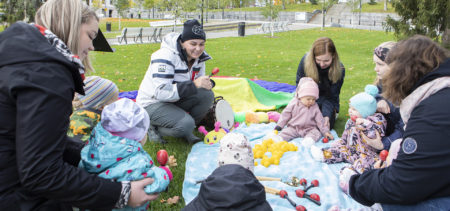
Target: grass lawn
(257, 56)
(377, 8)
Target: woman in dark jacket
(38, 77)
(322, 64)
(419, 176)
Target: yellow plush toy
(212, 136)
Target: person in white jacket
(175, 90)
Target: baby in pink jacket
(302, 116)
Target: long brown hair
(320, 47)
(409, 61)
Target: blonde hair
(320, 47)
(64, 19)
(388, 45)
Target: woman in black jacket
(419, 176)
(39, 73)
(322, 64)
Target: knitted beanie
(126, 118)
(235, 149)
(98, 91)
(192, 30)
(307, 87)
(365, 102)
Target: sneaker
(317, 153)
(154, 136)
(193, 139)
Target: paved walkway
(228, 33)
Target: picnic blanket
(244, 94)
(202, 160)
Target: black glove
(278, 128)
(213, 83)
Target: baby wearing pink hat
(302, 116)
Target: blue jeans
(431, 204)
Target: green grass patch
(256, 56)
(377, 8)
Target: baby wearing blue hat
(352, 147)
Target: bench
(133, 32)
(149, 32)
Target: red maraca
(214, 71)
(283, 194)
(303, 182)
(314, 183)
(383, 156)
(162, 157)
(300, 193)
(353, 118)
(300, 208)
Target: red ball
(315, 183)
(162, 157)
(325, 140)
(300, 208)
(299, 193)
(315, 197)
(383, 155)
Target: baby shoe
(317, 153)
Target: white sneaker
(317, 153)
(308, 142)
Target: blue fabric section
(156, 75)
(121, 159)
(202, 160)
(276, 86)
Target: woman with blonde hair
(418, 176)
(394, 128)
(322, 64)
(40, 70)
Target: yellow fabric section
(238, 93)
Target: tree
(270, 11)
(121, 7)
(16, 10)
(426, 17)
(149, 4)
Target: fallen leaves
(171, 201)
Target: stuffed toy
(256, 117)
(213, 136)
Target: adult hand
(326, 122)
(378, 164)
(383, 107)
(375, 142)
(203, 82)
(138, 197)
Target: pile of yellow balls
(273, 149)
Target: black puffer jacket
(421, 170)
(230, 187)
(37, 84)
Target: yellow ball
(256, 163)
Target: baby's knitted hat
(125, 118)
(365, 102)
(235, 149)
(307, 87)
(98, 91)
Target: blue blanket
(202, 160)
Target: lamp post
(203, 1)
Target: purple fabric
(275, 86)
(129, 94)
